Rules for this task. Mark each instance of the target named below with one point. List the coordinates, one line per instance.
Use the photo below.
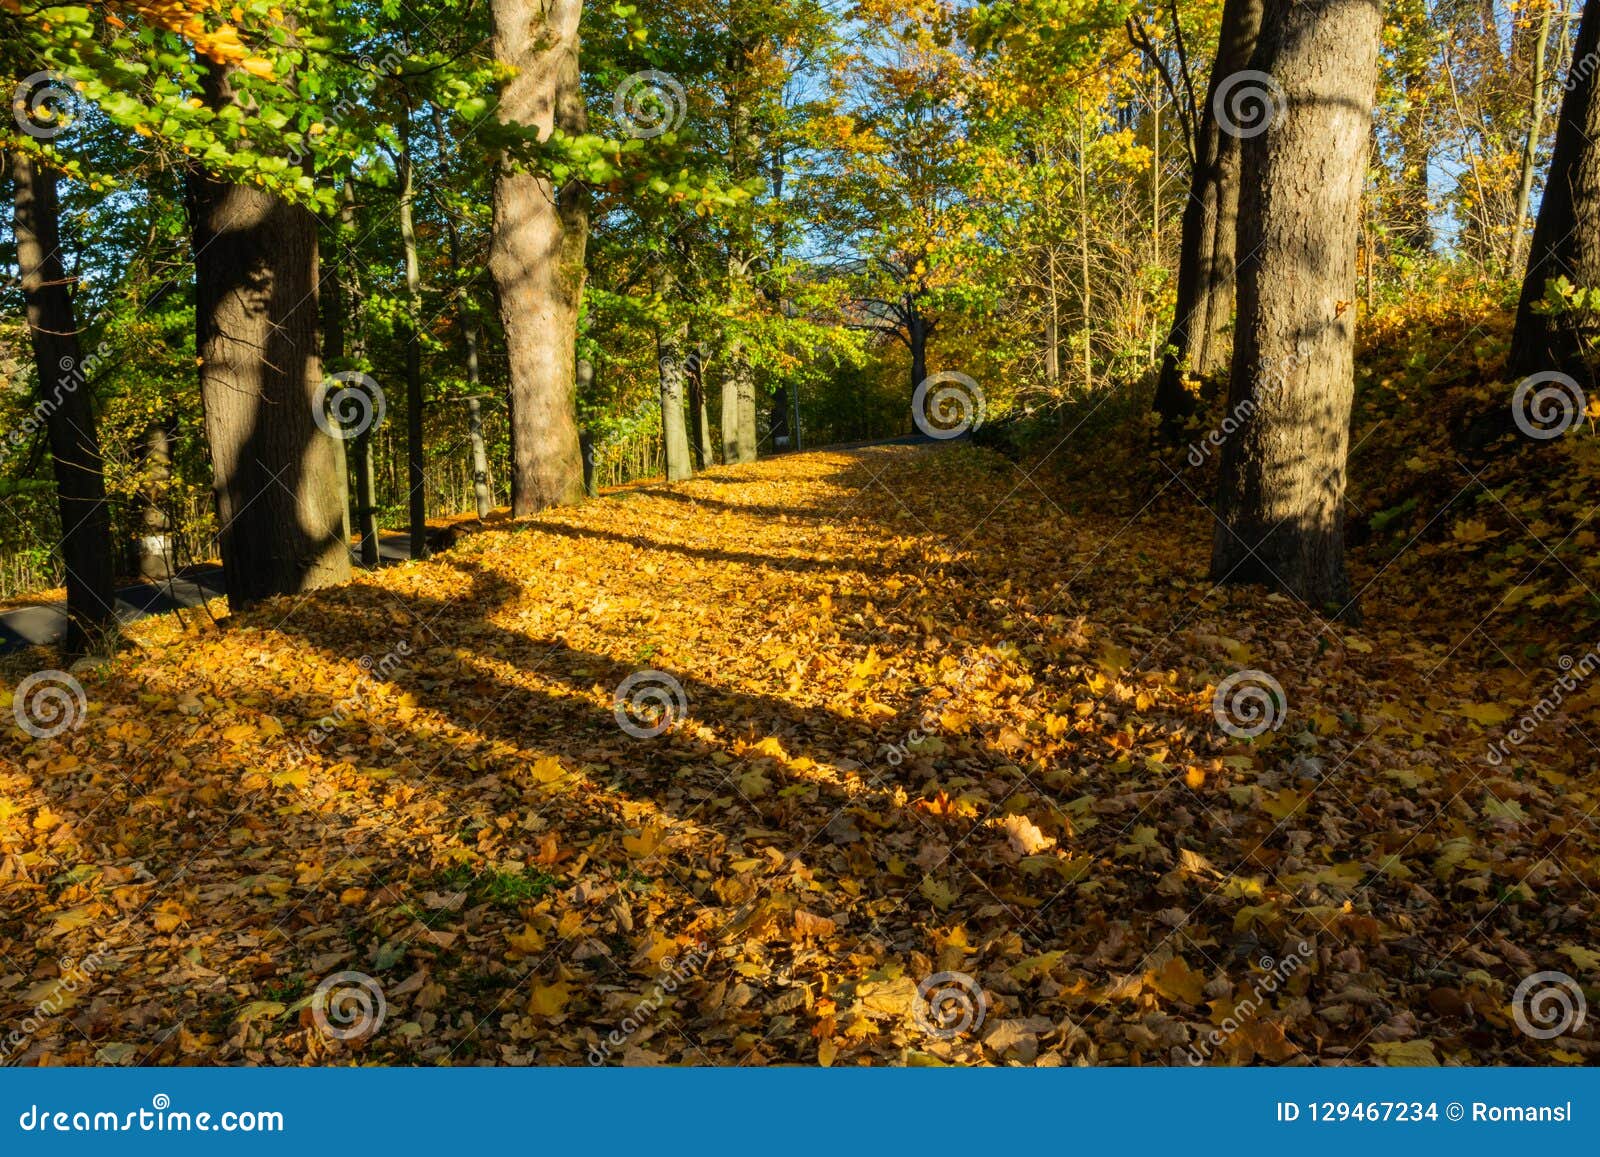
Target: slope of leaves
(939, 719)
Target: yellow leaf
(549, 999)
(529, 941)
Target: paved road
(47, 622)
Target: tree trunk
(695, 377)
(1208, 243)
(917, 339)
(416, 451)
(1280, 505)
(66, 407)
(1530, 144)
(1566, 237)
(738, 406)
(536, 253)
(153, 546)
(674, 430)
(345, 340)
(278, 476)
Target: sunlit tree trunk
(1280, 504)
(1566, 237)
(63, 398)
(278, 477)
(536, 253)
(416, 450)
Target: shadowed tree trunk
(1566, 237)
(278, 476)
(416, 450)
(343, 337)
(695, 377)
(153, 546)
(1208, 245)
(536, 253)
(64, 404)
(1280, 505)
(674, 429)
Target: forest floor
(945, 722)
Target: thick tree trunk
(695, 378)
(738, 406)
(536, 253)
(917, 339)
(64, 404)
(278, 477)
(674, 429)
(1208, 244)
(1280, 506)
(1566, 237)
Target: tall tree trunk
(153, 546)
(278, 476)
(674, 430)
(416, 451)
(536, 253)
(738, 405)
(66, 407)
(345, 340)
(1280, 505)
(1208, 243)
(695, 375)
(1566, 237)
(1530, 144)
(917, 339)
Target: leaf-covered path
(930, 719)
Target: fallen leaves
(905, 755)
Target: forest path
(928, 723)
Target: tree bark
(1566, 236)
(153, 546)
(1530, 144)
(536, 253)
(65, 406)
(1207, 246)
(674, 430)
(278, 477)
(1280, 505)
(416, 451)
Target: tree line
(246, 242)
